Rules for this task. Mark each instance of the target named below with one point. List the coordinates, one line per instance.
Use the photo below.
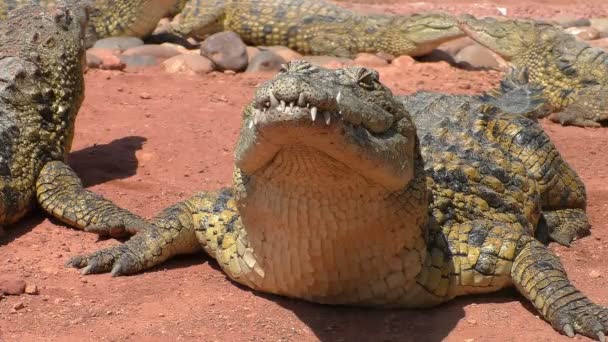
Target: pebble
(370, 60)
(108, 58)
(188, 64)
(158, 51)
(600, 43)
(251, 52)
(139, 61)
(118, 43)
(584, 33)
(330, 62)
(569, 21)
(476, 57)
(595, 274)
(601, 25)
(226, 50)
(13, 287)
(31, 289)
(18, 306)
(265, 61)
(145, 96)
(403, 62)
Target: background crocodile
(337, 201)
(41, 90)
(573, 74)
(318, 27)
(307, 26)
(108, 18)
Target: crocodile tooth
(273, 99)
(301, 102)
(255, 119)
(327, 117)
(250, 124)
(291, 104)
(313, 113)
(338, 97)
(266, 104)
(282, 106)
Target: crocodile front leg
(205, 220)
(61, 194)
(538, 274)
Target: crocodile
(336, 199)
(317, 27)
(109, 18)
(573, 74)
(42, 57)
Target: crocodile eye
(368, 79)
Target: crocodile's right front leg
(206, 220)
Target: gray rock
(476, 57)
(139, 61)
(568, 21)
(118, 43)
(226, 50)
(265, 61)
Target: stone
(31, 289)
(251, 52)
(157, 51)
(13, 287)
(403, 62)
(18, 306)
(370, 60)
(226, 50)
(601, 25)
(265, 61)
(601, 43)
(118, 43)
(569, 21)
(329, 61)
(476, 57)
(584, 33)
(93, 61)
(139, 61)
(190, 64)
(109, 59)
(452, 47)
(286, 53)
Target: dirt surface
(146, 140)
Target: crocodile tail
(516, 95)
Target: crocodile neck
(325, 233)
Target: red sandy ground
(146, 154)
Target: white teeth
(290, 109)
(313, 113)
(338, 97)
(267, 104)
(255, 119)
(273, 99)
(250, 124)
(327, 117)
(301, 102)
(282, 106)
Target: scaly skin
(317, 27)
(109, 18)
(41, 89)
(337, 200)
(573, 74)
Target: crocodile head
(344, 114)
(425, 30)
(328, 173)
(508, 38)
(45, 56)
